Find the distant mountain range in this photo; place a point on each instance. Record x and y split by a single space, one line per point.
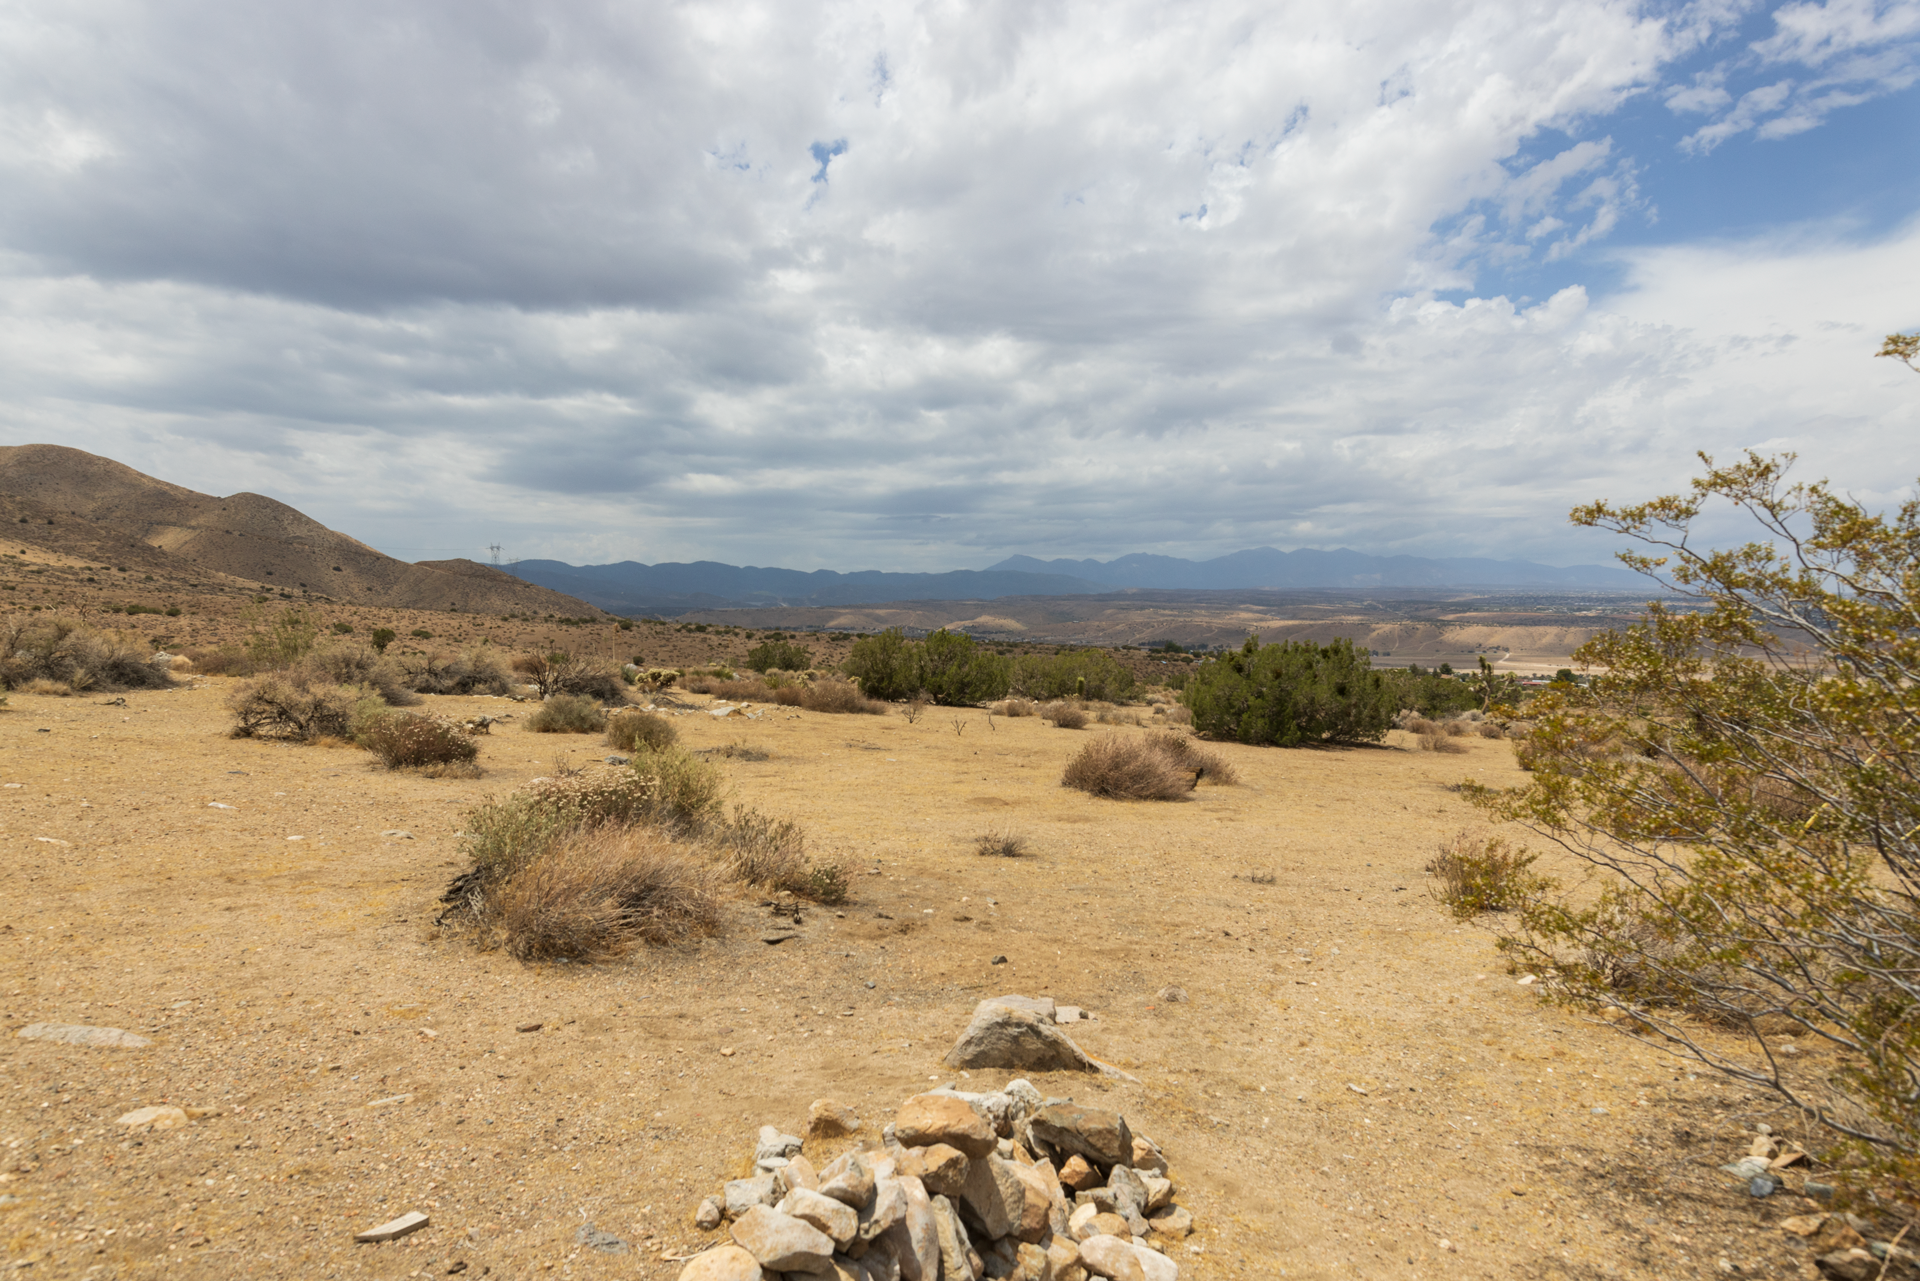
1339 568
633 588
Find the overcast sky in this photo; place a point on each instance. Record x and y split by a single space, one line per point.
918 286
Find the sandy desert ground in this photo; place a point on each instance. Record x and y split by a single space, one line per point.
1356 1087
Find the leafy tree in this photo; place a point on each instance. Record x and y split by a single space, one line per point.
882 665
1745 779
956 671
1428 693
1291 693
779 653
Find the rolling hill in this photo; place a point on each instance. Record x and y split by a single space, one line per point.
81 505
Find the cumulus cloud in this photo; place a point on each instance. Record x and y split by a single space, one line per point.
866 285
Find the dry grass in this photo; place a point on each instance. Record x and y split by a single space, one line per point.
402 740
1438 741
1016 707
1064 716
599 891
631 731
773 853
1186 753
837 696
1000 844
1128 767
1180 716
568 714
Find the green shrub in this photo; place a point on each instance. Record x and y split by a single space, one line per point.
957 672
383 637
1291 693
568 714
283 641
882 664
1473 875
1428 692
631 731
343 629
403 740
421 633
781 654
1080 673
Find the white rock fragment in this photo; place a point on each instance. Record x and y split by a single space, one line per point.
394 1229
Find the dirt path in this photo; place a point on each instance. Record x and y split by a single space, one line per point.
290 983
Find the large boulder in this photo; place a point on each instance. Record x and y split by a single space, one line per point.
1002 1035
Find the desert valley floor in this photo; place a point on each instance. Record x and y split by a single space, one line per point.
1356 1086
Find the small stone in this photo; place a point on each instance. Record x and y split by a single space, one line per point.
1129 1198
1849 1265
398 834
829 1120
1159 1191
1069 1014
779 936
1147 1156
394 1229
1802 1225
772 1143
1108 1224
940 1166
1599 1111
80 1034
1031 1264
955 1265
1064 1255
1078 1175
848 1179
1111 1256
709 1215
1156 1266
996 1193
595 1239
889 1206
915 1240
837 1219
1173 995
1101 1137
156 1118
927 1119
741 1195
998 960
782 1242
1172 1222
723 1263
799 1173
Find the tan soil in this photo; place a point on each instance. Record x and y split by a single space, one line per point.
291 983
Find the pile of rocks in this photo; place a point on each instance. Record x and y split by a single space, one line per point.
958 1187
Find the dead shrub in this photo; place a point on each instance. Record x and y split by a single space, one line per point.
356 665
81 658
1417 724
479 670
568 714
1456 728
773 853
599 891
1180 716
750 690
285 708
1013 708
1000 844
562 673
1127 767
403 740
686 791
1488 729
736 752
1064 716
1436 741
633 730
1207 766
1114 716
840 697
226 660
1476 874
49 688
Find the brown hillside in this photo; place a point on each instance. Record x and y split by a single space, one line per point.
82 506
